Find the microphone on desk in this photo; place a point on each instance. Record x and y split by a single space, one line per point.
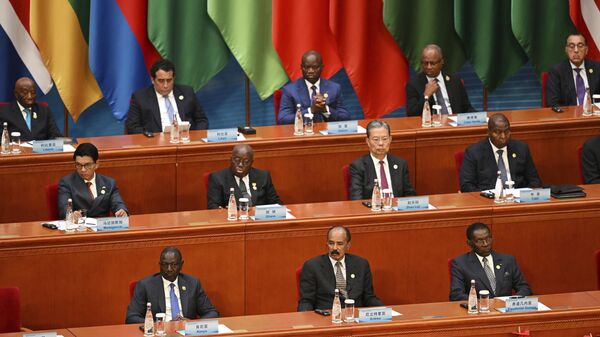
557 109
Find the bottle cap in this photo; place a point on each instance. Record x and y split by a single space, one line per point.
298 105
243 199
231 189
15 134
484 292
70 199
337 290
349 301
472 281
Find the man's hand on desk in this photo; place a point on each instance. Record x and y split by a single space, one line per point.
120 213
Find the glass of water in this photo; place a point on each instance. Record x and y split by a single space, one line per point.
161 317
82 220
484 301
15 142
349 311
388 198
244 205
596 104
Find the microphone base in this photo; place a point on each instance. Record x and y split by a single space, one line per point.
247 130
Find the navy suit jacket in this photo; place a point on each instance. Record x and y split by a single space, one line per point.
363 174
144 113
43 126
220 182
479 169
317 283
560 88
590 160
508 276
415 98
296 92
194 301
74 187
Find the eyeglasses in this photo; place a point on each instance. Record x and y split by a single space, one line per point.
239 161
87 166
580 45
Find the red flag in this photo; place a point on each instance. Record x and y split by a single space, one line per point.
586 17
299 26
373 61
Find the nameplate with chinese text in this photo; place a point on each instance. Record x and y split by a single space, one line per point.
112 224
199 328
46 146
378 314
413 203
269 212
222 135
521 304
535 195
342 127
471 118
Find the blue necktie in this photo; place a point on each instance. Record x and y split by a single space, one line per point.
501 166
170 110
174 302
313 93
580 86
28 117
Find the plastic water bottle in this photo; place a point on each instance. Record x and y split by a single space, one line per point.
499 189
174 130
587 103
148 321
376 197
426 115
231 206
298 122
69 216
472 299
336 309
5 140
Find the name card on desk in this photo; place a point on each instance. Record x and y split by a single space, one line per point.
222 135
40 334
199 328
378 314
535 195
46 146
269 212
113 224
523 304
413 203
471 118
342 127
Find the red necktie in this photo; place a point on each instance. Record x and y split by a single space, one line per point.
384 182
89 186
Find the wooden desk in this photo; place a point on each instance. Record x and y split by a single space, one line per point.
64 332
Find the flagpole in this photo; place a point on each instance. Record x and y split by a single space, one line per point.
66 123
247 129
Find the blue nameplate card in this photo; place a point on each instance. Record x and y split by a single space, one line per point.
199 328
40 334
222 135
45 146
269 212
471 118
535 195
521 304
336 128
112 224
378 314
413 203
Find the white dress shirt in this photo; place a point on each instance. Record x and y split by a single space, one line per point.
93 187
246 180
386 166
583 75
167 290
442 86
162 106
343 265
504 157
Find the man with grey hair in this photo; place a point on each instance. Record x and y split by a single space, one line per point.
390 171
436 86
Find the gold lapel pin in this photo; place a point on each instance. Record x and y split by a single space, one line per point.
254 186
183 288
590 70
34 115
514 155
498 266
447 78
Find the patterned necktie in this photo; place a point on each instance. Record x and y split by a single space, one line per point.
384 182
89 186
580 86
174 302
170 110
313 93
28 117
340 282
440 99
501 166
490 274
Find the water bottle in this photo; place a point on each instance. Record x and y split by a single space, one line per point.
231 206
69 216
298 122
336 309
472 305
148 321
587 103
376 197
499 189
5 140
426 116
174 130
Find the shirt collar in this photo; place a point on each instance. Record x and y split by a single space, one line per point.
166 283
317 84
93 180
21 108
494 148
334 261
439 77
375 160
582 66
170 94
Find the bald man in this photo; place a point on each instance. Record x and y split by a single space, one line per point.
34 121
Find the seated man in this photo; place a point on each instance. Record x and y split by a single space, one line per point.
153 108
248 182
590 160
567 80
34 121
310 91
481 163
496 272
96 193
389 170
323 274
178 295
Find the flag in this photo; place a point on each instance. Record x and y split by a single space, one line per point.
246 28
136 14
585 14
300 26
491 47
373 61
415 24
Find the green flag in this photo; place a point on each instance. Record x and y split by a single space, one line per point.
246 28
182 32
542 27
491 47
415 24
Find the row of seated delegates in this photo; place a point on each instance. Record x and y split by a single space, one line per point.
152 108
96 193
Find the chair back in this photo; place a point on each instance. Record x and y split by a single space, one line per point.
544 84
276 104
458 159
10 307
52 201
346 175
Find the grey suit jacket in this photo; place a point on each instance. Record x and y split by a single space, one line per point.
262 189
108 198
43 126
363 174
459 101
560 88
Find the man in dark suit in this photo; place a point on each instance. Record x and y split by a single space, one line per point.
436 86
567 80
496 272
480 166
247 181
323 97
34 121
323 274
380 165
178 295
96 193
152 108
590 160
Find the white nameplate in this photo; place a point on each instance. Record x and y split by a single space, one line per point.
113 224
40 334
521 304
413 203
471 118
198 328
378 314
45 146
270 212
342 127
222 135
535 195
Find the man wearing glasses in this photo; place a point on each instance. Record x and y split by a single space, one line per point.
96 193
247 181
390 171
567 80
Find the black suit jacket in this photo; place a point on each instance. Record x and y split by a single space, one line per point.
415 88
363 174
508 276
194 301
144 113
74 187
560 88
261 188
43 126
479 169
590 160
317 283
